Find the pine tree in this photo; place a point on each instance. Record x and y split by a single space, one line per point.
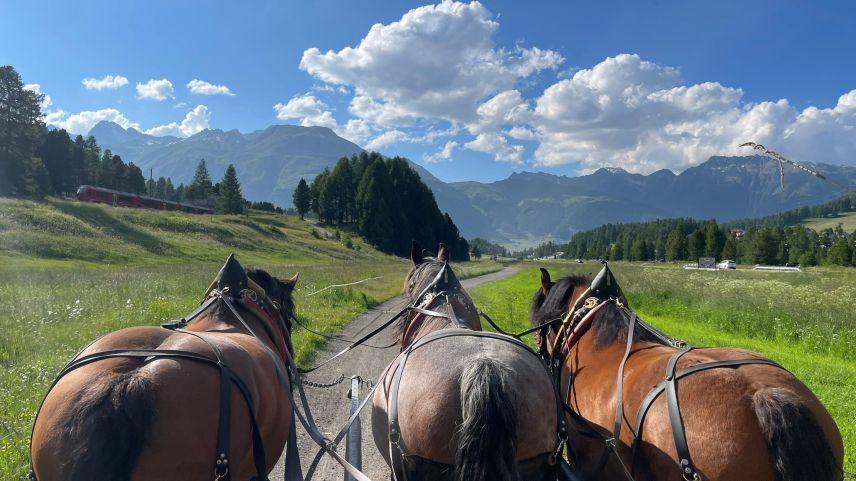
695 245
676 245
729 250
714 240
21 130
230 201
200 187
302 198
136 181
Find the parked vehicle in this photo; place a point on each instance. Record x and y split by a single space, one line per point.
727 264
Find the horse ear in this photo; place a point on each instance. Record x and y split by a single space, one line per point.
416 253
441 253
545 281
294 279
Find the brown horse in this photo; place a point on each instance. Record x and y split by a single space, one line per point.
149 403
742 416
458 403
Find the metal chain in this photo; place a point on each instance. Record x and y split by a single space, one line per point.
307 382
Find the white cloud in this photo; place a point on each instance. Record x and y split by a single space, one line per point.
46 100
194 122
444 154
155 89
497 144
439 65
387 138
307 108
110 82
201 87
82 123
638 115
437 61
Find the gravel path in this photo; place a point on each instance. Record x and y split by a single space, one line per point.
330 406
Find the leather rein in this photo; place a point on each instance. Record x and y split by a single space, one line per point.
575 324
268 312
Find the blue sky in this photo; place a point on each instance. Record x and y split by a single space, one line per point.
472 91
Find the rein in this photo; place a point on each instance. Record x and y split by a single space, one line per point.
577 322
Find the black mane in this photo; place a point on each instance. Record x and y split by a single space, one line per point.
610 324
277 291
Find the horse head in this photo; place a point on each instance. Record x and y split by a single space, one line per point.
436 296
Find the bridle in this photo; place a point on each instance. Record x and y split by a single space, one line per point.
421 305
252 298
603 291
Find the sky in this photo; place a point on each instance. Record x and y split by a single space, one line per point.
472 91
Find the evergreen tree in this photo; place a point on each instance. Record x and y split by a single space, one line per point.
840 253
160 188
21 129
136 181
200 187
729 250
56 153
639 250
476 252
695 245
169 190
616 252
374 218
302 198
230 201
151 188
714 240
676 245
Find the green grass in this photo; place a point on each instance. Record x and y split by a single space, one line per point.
72 272
804 321
847 221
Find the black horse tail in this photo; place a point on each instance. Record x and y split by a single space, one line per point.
487 439
796 444
108 428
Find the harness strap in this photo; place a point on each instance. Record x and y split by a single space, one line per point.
655 392
683 451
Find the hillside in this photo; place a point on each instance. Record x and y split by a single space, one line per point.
526 206
59 231
269 162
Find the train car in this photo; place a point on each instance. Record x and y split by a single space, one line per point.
117 198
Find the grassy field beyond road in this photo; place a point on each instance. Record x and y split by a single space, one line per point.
805 321
72 272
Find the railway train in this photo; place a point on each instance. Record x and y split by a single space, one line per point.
116 198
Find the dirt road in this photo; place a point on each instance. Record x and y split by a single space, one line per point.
330 405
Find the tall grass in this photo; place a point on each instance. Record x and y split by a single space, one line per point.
805 321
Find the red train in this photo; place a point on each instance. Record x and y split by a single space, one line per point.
126 199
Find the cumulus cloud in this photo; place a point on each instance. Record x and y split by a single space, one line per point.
497 144
444 154
82 123
155 89
444 63
387 138
201 87
194 122
438 66
307 108
638 115
109 82
37 88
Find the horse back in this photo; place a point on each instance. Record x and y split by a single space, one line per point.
143 418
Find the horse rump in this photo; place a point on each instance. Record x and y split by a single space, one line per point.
798 448
487 438
108 428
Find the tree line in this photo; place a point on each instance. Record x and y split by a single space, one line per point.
384 200
689 239
36 161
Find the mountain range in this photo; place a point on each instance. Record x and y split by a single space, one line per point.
526 206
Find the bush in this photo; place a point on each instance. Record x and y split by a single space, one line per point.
347 241
314 232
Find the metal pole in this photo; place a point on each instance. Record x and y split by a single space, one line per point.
353 449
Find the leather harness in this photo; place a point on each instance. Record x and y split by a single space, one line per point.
397 450
254 299
605 290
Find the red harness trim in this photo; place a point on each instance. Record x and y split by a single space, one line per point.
580 328
280 337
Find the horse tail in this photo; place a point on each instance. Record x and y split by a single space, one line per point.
487 438
797 445
108 428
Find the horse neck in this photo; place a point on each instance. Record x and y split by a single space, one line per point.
446 305
268 332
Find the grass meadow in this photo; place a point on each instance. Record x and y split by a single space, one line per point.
72 272
805 321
